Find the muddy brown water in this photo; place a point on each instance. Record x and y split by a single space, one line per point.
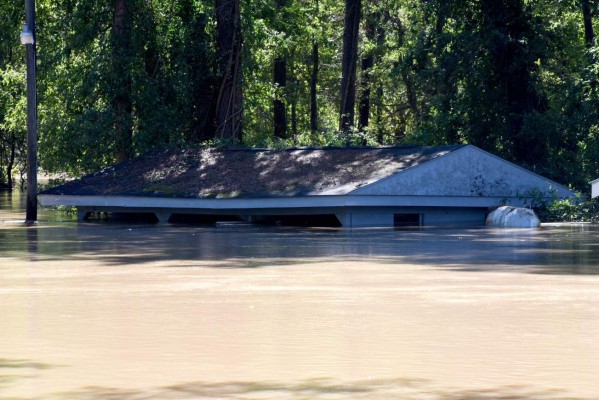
141 311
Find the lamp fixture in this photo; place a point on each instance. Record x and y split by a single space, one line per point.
26 35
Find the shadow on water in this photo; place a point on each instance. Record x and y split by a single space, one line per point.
315 389
561 249
13 370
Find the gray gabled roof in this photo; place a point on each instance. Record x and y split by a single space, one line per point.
222 173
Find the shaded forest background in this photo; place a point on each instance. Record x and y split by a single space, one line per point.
115 79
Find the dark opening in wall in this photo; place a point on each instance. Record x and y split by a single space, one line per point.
407 220
147 218
319 220
201 219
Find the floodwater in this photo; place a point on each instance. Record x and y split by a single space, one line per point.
139 311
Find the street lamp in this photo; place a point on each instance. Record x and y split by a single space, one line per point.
28 40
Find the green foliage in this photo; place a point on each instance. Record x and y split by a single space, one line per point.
567 210
12 100
266 34
170 67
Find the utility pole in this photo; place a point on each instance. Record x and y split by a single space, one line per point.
28 39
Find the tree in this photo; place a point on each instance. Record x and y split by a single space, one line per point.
121 74
228 103
280 76
314 76
353 10
507 32
314 88
175 90
375 36
587 16
12 94
12 115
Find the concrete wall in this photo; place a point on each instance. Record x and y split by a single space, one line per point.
465 172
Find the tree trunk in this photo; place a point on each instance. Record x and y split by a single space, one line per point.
445 89
228 103
378 114
293 95
313 88
280 76
367 64
513 72
407 80
348 67
8 152
589 36
11 162
280 112
121 43
587 16
410 93
314 81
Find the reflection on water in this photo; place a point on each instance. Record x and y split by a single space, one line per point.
12 210
556 249
130 311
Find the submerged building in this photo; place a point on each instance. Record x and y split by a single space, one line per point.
595 188
379 186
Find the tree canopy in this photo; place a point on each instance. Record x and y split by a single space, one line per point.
116 79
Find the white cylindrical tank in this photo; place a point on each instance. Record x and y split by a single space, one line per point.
513 217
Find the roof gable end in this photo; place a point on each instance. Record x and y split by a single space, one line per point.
468 171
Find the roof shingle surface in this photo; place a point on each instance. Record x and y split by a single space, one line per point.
222 173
